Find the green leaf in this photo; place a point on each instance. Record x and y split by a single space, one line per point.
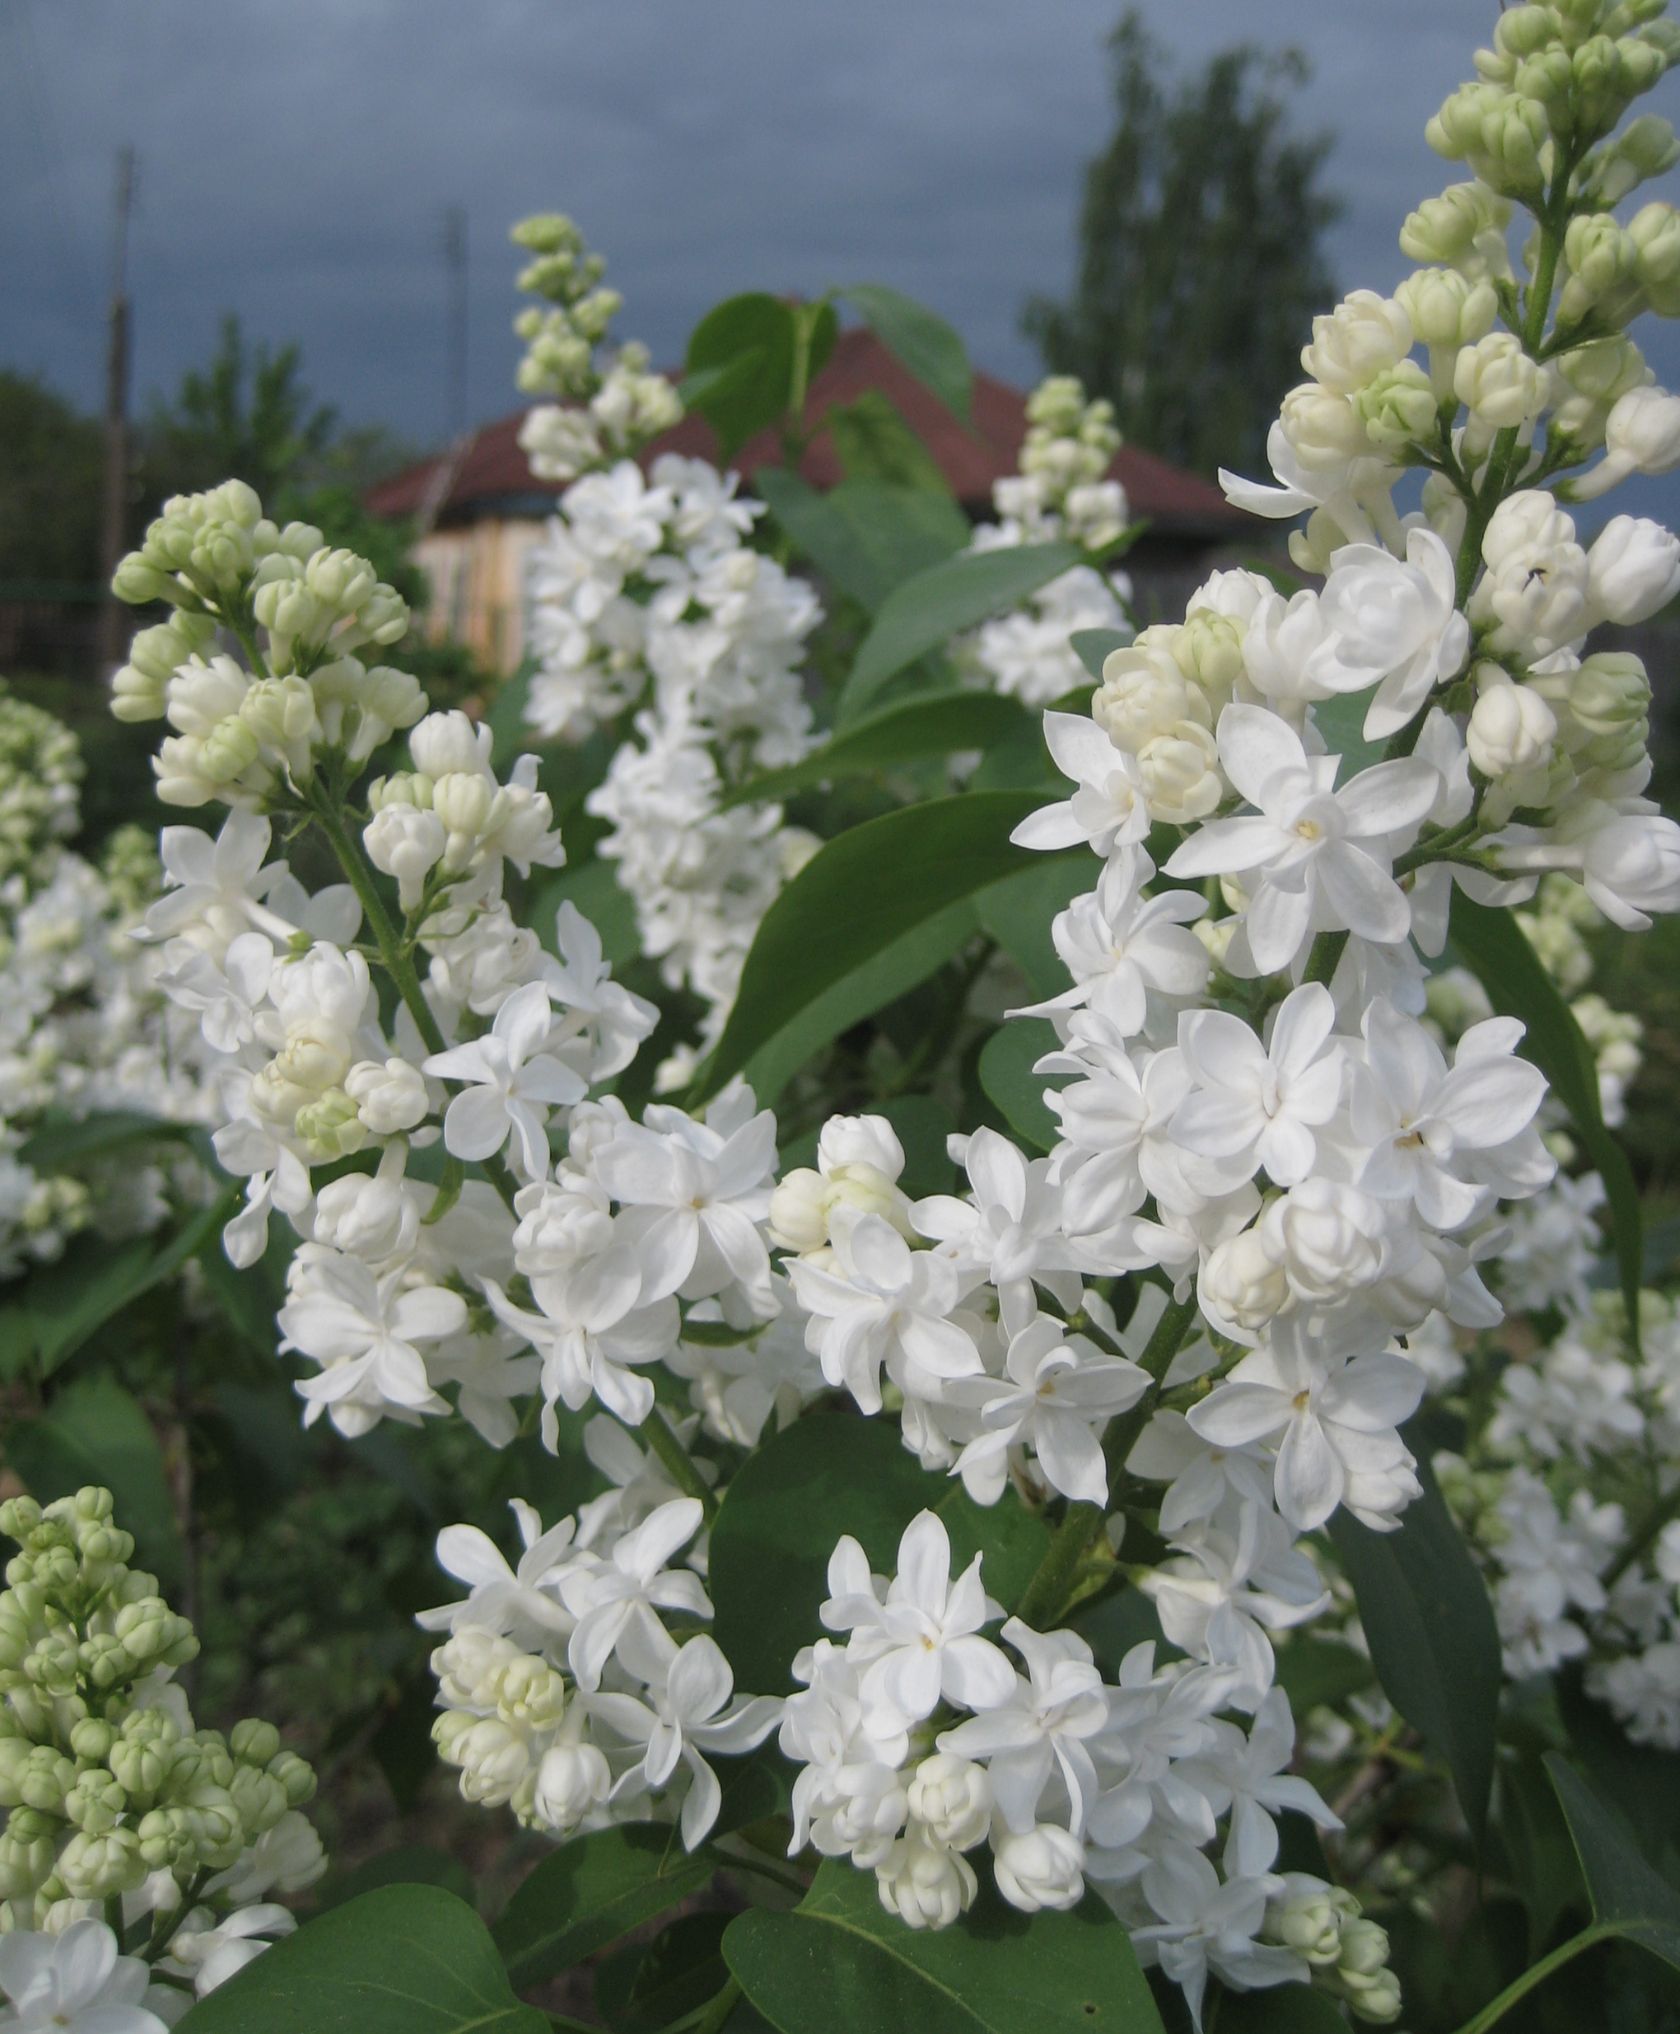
920 340
1093 647
827 1475
1432 1635
505 717
923 1126
893 972
410 1864
873 442
1280 2009
593 887
1492 945
95 1431
402 1960
753 336
840 1961
59 1144
592 1890
878 883
1628 1898
910 732
1341 721
924 613
1006 1073
1314 1671
644 1987
1019 912
865 535
66 1302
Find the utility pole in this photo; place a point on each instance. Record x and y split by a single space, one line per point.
455 313
114 519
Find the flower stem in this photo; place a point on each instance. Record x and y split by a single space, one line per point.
677 1461
1519 1988
1047 1595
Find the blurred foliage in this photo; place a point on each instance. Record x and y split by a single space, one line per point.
49 487
1200 253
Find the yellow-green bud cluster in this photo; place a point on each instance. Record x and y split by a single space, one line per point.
560 341
1348 1954
104 1778
240 736
1070 442
40 781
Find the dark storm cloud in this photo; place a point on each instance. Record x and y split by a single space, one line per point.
296 162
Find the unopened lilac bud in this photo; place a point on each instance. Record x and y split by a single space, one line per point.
927 1885
1039 1867
1511 730
94 1867
952 1799
390 1096
1498 383
572 1779
445 742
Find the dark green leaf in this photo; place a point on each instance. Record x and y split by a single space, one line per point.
56 1146
592 1890
753 336
907 733
1006 1073
827 1475
924 613
864 535
250 1298
879 981
1432 1635
56 1310
412 1864
923 1126
1628 1897
402 1960
1094 646
648 1985
879 883
1492 945
593 887
1019 912
505 717
1312 1671
1341 721
839 1961
1280 2009
94 1431
873 442
920 340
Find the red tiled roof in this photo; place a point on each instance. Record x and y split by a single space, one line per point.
491 468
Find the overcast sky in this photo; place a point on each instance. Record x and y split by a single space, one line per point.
296 162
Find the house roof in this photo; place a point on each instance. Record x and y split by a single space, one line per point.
487 473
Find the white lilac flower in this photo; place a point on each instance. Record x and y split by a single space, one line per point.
689 1715
1316 858
1335 1422
511 1075
76 1980
919 1642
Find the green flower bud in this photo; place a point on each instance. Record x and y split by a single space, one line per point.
93 1867
96 1802
296 1775
330 1126
259 1800
253 1741
92 1740
1399 407
230 748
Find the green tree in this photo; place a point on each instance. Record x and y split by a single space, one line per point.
1201 258
49 487
247 415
